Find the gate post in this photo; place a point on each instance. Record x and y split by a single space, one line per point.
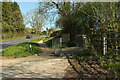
104 44
60 44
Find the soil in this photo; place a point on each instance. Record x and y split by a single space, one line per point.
35 67
85 70
43 65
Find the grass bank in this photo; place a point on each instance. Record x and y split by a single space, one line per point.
37 40
21 50
48 41
21 37
14 38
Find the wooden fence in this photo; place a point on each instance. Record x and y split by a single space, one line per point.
111 44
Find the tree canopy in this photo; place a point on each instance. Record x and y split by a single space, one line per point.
91 19
12 20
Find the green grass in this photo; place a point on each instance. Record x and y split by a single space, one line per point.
23 37
48 41
85 55
21 50
14 38
115 68
38 35
37 40
105 62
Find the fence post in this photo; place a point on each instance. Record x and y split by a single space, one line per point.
60 45
104 44
30 47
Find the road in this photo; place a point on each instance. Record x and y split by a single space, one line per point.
5 44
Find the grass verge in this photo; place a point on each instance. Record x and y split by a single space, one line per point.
21 50
48 41
37 40
22 37
14 38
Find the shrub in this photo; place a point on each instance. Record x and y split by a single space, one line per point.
67 44
56 33
116 68
85 55
86 52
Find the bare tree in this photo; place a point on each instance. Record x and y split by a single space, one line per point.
35 20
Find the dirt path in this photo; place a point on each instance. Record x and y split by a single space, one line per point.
45 65
36 68
42 66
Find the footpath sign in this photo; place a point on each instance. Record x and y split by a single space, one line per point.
65 37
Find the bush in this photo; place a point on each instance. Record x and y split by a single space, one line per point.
85 55
67 44
86 52
114 69
56 33
21 50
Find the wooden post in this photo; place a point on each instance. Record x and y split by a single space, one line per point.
104 45
30 48
60 46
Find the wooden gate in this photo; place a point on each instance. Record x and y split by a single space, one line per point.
111 44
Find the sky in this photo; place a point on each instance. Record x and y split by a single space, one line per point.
28 6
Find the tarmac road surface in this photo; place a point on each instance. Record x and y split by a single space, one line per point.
5 44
